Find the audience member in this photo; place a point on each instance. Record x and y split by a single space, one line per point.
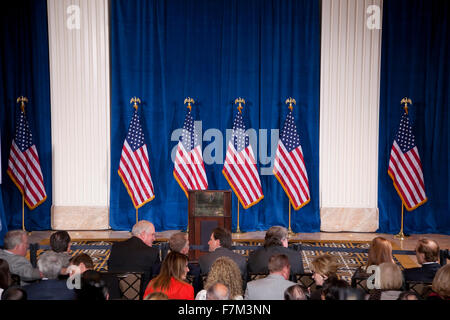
14 293
220 246
60 243
408 295
332 289
83 262
427 253
273 286
441 284
391 282
93 288
224 270
179 242
16 247
5 276
218 291
324 269
50 287
135 254
172 278
295 292
157 296
380 251
275 242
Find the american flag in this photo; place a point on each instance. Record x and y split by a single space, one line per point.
189 169
134 168
405 167
24 167
289 167
240 166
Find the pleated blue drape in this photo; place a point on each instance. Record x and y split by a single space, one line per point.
213 51
415 64
24 69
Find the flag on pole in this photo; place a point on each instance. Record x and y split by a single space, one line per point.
24 167
240 166
405 167
189 169
289 167
134 169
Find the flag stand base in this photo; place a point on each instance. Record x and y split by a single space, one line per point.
401 235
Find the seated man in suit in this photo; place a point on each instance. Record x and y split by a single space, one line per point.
50 287
275 242
219 245
16 247
427 253
274 285
136 254
179 242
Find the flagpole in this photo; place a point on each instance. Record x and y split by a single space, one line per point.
401 235
23 212
290 232
137 215
238 230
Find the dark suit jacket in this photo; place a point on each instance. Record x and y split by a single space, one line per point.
133 255
424 273
259 259
208 259
49 290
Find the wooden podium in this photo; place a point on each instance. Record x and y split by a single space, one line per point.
208 209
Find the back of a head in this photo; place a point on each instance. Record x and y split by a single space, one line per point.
441 282
278 262
408 295
332 288
391 276
224 236
173 266
92 287
429 248
5 274
84 259
326 265
218 291
380 251
295 292
59 241
50 264
13 238
157 295
14 293
274 236
178 241
140 227
224 270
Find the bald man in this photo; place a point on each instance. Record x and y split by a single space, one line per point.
427 253
135 254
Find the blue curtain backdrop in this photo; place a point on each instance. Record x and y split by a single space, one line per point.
213 51
415 63
24 69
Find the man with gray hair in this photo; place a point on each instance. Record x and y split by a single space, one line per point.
136 254
218 291
50 287
16 247
275 242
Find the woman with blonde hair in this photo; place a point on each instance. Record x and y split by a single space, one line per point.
391 282
324 269
441 284
172 278
224 270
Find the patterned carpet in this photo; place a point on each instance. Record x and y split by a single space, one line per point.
349 261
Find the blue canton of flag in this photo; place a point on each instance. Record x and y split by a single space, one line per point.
240 139
289 135
135 135
404 137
